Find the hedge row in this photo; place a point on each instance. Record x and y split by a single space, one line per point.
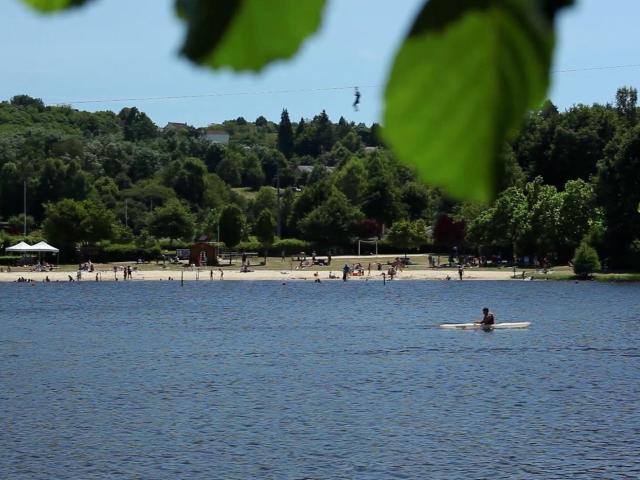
8 259
290 246
251 245
121 252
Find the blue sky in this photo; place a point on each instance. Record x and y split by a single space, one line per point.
116 49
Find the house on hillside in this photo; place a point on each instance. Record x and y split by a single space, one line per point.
307 169
176 127
303 172
215 135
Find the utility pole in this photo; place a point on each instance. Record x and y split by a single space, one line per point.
279 230
24 184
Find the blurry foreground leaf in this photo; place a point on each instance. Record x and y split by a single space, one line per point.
246 34
462 81
54 5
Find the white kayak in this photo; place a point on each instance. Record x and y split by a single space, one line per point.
478 326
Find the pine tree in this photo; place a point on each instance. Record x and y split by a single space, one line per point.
301 127
285 135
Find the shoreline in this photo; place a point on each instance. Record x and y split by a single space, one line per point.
412 273
257 275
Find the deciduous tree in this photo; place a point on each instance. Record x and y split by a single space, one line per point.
265 230
172 221
333 222
232 225
405 234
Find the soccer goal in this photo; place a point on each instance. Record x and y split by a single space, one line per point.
367 248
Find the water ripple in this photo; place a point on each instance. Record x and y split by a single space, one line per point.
258 380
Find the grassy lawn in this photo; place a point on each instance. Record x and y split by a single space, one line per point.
566 273
276 263
617 277
257 263
563 272
246 192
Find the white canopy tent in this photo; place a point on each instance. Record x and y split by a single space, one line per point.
39 248
21 247
43 247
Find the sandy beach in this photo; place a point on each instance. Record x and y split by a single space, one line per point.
234 274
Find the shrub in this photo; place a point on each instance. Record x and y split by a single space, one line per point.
291 246
632 258
585 260
8 259
118 252
165 244
251 245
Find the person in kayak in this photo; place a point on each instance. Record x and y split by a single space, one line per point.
487 317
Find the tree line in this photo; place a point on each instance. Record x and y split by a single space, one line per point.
99 179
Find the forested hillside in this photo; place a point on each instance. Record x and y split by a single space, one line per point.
103 179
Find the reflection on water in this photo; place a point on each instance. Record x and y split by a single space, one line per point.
332 380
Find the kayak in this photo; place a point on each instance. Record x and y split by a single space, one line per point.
477 326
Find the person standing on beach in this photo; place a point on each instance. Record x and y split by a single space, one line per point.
460 271
221 274
211 274
345 272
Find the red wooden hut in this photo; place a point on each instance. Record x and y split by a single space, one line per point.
203 254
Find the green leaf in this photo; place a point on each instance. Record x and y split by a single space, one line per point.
246 34
54 5
462 81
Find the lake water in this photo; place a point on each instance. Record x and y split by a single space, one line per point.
318 381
